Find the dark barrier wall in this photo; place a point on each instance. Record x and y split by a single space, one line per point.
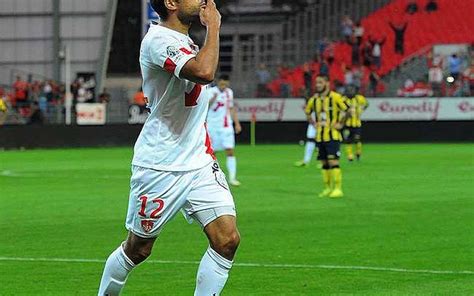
12 137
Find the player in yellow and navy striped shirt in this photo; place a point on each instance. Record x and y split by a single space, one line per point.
330 114
352 131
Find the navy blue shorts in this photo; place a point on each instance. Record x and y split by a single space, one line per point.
352 134
329 150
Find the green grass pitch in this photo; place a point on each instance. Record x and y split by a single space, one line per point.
408 212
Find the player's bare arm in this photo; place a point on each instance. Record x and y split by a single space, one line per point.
202 69
235 118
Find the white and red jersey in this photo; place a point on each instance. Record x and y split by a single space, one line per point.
174 137
219 115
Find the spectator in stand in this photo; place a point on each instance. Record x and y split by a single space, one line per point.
357 78
104 97
399 31
308 80
367 54
435 78
347 27
359 33
373 82
348 76
48 91
20 90
42 100
412 7
455 64
324 68
377 51
285 87
35 90
431 6
263 78
355 51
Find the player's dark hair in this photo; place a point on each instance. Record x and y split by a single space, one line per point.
224 77
160 8
324 76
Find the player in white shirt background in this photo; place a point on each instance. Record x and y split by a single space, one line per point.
174 167
221 118
309 147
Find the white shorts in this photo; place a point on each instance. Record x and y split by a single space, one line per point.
311 132
222 138
156 197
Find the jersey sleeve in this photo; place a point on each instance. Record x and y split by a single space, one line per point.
309 107
170 54
341 103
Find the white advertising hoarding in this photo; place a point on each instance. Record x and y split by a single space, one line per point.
380 109
90 113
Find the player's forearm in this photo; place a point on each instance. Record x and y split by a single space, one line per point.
234 115
310 119
208 58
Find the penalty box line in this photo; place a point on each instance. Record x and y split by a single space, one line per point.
261 265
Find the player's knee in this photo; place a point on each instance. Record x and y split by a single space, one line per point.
138 252
229 152
228 244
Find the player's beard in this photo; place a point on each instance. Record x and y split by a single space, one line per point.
323 90
188 19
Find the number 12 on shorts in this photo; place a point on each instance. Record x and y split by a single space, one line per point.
155 214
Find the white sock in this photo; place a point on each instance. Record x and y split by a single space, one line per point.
308 151
232 167
212 274
116 270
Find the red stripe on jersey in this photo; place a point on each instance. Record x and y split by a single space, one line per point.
208 145
169 66
185 50
190 99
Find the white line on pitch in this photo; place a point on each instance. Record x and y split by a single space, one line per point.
265 265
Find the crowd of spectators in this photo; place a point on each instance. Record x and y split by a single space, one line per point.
363 70
31 101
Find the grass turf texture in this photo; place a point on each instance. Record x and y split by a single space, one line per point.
406 206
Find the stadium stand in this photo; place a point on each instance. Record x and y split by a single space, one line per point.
449 24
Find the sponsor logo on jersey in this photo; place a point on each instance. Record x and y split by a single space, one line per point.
172 51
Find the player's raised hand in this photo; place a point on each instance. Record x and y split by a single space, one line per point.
209 14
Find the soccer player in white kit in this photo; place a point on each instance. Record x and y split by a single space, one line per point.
309 147
221 118
174 167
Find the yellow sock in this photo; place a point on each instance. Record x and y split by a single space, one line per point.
359 148
350 154
327 178
337 177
